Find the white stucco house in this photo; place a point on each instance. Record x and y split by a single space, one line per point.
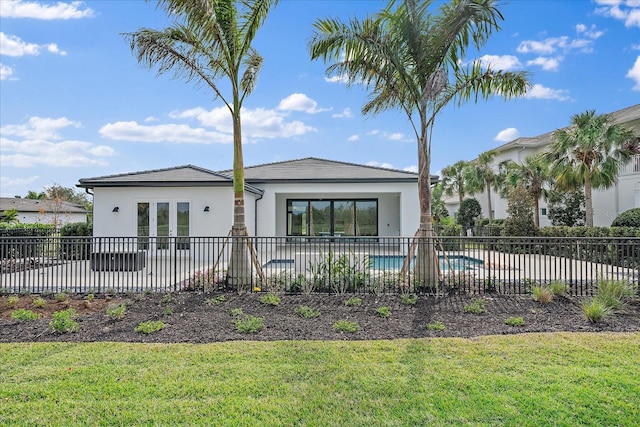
31 211
607 204
296 198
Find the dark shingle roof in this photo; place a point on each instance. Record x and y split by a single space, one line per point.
312 169
187 175
32 205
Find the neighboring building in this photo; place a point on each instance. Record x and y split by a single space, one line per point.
607 204
32 211
296 198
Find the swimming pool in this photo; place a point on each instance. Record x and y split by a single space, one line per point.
394 262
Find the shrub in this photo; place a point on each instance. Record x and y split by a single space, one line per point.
24 315
409 299
557 288
117 311
12 301
62 297
77 229
615 294
436 326
307 312
39 302
346 326
595 310
469 210
270 299
541 294
566 208
353 302
383 311
514 321
149 326
216 300
630 218
249 324
63 321
475 307
236 312
520 220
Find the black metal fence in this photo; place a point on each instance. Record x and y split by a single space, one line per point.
37 264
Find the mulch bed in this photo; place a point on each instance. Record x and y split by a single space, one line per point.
189 318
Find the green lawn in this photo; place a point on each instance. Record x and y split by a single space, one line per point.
519 380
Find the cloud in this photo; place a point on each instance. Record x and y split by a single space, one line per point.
538 91
5 72
353 138
553 44
634 74
391 136
346 113
412 168
35 10
39 143
14 46
504 62
376 164
506 135
344 79
547 64
216 127
627 11
132 131
590 32
300 102
6 182
39 128
256 123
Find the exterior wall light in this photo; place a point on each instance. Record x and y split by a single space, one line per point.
206 209
115 209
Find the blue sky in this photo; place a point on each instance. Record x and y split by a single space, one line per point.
74 103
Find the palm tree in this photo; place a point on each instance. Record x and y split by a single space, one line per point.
411 60
481 176
10 216
534 174
590 153
453 180
213 41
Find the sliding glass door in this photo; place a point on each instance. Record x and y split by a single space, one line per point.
332 217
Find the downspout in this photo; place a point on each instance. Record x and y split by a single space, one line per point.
255 213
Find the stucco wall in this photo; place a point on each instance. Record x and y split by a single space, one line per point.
397 204
47 218
216 222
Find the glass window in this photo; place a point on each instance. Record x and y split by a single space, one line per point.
182 239
162 224
297 215
143 226
320 221
366 218
332 217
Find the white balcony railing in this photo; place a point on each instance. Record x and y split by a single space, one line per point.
631 168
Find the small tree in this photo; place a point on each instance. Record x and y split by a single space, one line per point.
470 209
520 220
630 218
566 208
438 208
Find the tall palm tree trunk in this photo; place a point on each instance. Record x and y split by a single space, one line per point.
426 273
489 207
588 202
239 274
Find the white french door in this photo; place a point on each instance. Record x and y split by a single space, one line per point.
168 224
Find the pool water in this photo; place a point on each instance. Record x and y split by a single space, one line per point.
394 262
